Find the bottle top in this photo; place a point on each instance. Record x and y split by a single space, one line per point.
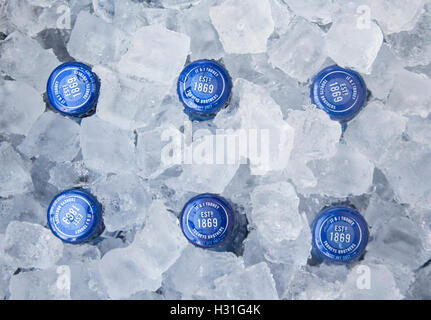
204 87
75 216
340 234
340 92
207 220
73 89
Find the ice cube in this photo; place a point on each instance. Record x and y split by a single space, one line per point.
105 147
23 59
243 27
49 284
352 45
196 23
14 177
370 281
283 231
420 288
52 136
316 137
86 282
300 51
410 94
414 46
179 4
319 11
419 129
125 200
156 54
95 41
194 272
386 68
104 9
30 245
348 172
396 16
282 16
153 251
127 103
23 207
254 283
20 106
405 166
270 138
374 129
68 174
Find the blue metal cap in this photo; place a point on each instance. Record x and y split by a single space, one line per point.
204 87
75 216
73 89
207 220
340 234
340 92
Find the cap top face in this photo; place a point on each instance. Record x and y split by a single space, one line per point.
207 220
340 234
340 92
204 87
73 89
74 216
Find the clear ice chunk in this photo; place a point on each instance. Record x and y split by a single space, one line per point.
52 136
30 245
243 27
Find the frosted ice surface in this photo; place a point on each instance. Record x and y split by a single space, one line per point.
419 129
179 4
243 27
104 9
48 284
118 100
316 137
300 52
204 40
281 15
386 68
155 54
414 46
319 11
410 94
20 106
92 40
86 282
105 147
348 172
375 129
23 59
396 16
69 174
31 245
14 177
371 281
276 136
52 136
42 3
406 169
125 200
352 46
306 285
157 150
193 274
283 231
22 207
153 251
255 282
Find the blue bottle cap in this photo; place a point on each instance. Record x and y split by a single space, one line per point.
207 220
75 216
73 89
340 234
204 87
340 92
